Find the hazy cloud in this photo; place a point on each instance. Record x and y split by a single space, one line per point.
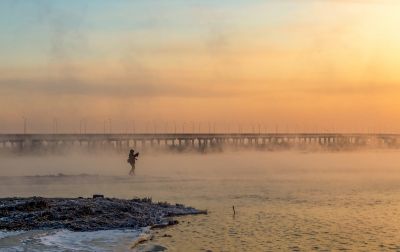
110 89
352 89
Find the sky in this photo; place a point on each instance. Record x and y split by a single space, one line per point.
146 66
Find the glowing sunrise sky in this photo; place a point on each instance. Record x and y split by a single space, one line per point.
297 65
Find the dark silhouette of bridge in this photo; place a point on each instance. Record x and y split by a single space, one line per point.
181 141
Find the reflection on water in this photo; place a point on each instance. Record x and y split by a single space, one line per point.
283 201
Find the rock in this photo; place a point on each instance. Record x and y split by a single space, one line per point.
141 239
87 214
165 223
154 248
98 196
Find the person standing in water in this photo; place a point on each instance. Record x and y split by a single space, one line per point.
132 160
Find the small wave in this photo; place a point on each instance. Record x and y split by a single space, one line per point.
7 234
9 241
106 240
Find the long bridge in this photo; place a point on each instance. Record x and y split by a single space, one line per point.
182 141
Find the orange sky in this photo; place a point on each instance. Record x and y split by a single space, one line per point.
277 65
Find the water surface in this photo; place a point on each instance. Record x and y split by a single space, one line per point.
283 200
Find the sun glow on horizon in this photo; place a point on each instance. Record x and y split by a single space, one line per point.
309 64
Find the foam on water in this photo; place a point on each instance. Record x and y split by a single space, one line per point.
65 240
11 241
90 241
5 234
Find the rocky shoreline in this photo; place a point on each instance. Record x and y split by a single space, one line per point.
88 214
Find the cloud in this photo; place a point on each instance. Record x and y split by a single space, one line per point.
125 89
352 89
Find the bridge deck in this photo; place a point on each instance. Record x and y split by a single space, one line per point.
163 136
20 142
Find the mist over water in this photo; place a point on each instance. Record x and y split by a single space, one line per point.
283 200
245 164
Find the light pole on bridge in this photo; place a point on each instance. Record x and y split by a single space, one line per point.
174 127
155 127
24 124
166 127
55 126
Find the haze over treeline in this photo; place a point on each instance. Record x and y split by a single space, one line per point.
147 66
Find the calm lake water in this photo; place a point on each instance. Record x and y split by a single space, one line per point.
288 201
